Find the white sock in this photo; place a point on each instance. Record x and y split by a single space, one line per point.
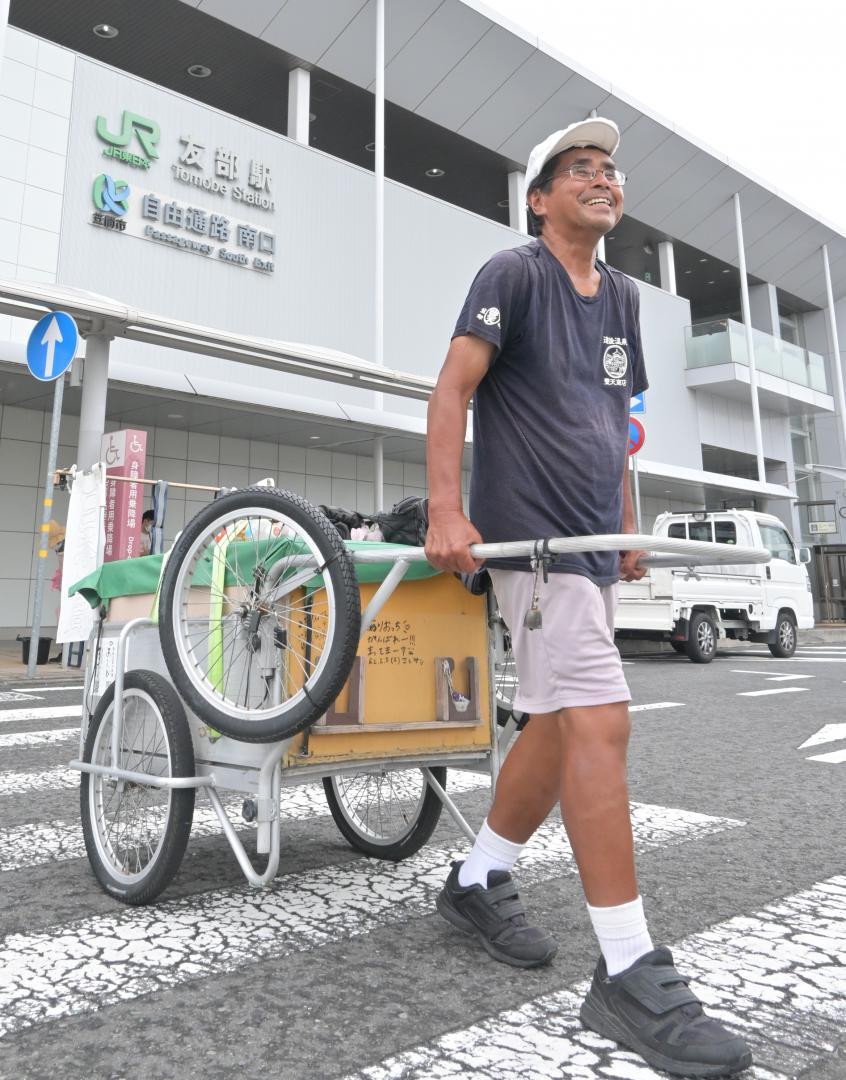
622 934
490 852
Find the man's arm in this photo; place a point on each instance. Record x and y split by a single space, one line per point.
450 534
629 571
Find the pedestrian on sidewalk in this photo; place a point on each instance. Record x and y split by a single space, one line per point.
548 347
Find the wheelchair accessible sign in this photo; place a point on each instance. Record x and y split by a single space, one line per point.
52 346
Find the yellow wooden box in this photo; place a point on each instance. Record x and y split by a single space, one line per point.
397 701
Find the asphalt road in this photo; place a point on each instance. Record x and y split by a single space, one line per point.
342 969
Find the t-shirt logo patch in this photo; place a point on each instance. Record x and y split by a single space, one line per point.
615 360
489 316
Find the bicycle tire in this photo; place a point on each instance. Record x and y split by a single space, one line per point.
308 531
371 837
112 850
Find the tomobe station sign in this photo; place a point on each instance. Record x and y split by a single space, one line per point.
235 229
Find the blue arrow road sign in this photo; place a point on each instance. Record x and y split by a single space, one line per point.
638 404
52 346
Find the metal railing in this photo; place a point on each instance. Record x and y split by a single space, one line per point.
724 342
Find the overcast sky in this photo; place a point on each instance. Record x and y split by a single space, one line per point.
760 81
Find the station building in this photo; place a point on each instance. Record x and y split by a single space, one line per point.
218 166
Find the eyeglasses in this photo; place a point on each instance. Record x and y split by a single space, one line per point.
586 175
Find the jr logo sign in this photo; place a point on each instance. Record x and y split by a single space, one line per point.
145 131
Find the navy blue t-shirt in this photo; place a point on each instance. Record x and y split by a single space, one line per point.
550 417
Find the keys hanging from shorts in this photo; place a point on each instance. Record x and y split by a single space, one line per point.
533 619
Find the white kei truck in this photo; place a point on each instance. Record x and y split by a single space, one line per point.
694 609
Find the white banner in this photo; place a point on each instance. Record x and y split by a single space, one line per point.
83 551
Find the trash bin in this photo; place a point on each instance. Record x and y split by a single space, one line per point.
44 644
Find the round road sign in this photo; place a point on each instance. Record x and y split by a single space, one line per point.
636 435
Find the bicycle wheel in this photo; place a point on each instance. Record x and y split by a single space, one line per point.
260 614
135 834
385 813
504 673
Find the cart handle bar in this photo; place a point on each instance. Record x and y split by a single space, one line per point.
674 552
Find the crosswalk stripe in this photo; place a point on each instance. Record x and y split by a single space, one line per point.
40 712
766 658
35 843
771 678
836 757
38 738
656 705
775 690
47 689
25 783
138 948
775 976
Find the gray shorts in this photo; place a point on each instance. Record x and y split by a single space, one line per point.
572 659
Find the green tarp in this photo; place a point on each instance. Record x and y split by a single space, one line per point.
137 577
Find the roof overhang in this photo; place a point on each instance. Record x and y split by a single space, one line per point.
465 67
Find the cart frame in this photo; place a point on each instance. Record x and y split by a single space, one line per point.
271 779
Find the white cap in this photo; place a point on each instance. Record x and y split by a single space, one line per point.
595 131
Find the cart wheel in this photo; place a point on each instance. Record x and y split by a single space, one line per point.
505 675
136 834
387 814
260 614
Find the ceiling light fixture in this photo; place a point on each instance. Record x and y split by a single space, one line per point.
703 260
648 249
371 146
503 203
174 416
710 283
312 117
688 271
314 436
199 71
435 172
727 271
106 30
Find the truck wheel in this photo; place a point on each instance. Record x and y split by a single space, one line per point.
784 645
702 638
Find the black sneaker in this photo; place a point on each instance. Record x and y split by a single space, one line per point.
650 1009
498 919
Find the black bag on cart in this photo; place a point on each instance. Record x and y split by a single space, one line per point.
407 521
344 520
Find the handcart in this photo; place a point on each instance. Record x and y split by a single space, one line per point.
263 652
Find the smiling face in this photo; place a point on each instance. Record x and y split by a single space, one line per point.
570 205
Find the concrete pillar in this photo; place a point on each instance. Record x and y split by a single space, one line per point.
836 358
792 512
763 309
667 266
4 22
517 217
92 410
299 84
750 343
378 474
